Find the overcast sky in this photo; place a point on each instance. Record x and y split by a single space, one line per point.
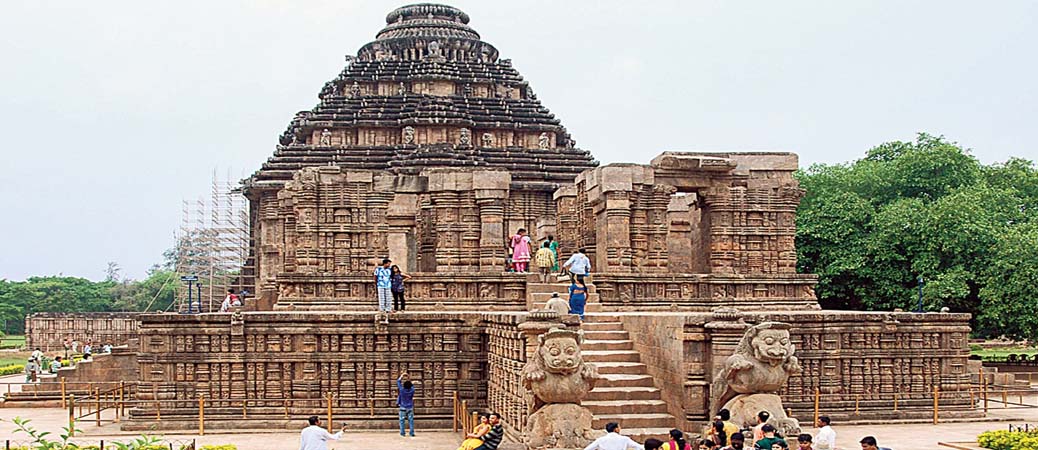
113 112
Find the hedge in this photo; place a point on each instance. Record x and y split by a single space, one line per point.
1009 440
12 369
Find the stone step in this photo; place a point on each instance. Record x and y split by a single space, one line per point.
624 380
602 393
600 317
543 297
588 308
608 407
607 345
597 356
634 421
641 434
607 335
560 288
629 368
601 326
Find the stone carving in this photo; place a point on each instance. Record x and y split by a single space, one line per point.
467 90
487 140
355 90
434 50
529 93
465 137
326 137
402 89
559 379
760 367
543 142
408 135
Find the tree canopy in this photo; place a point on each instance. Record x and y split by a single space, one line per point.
928 208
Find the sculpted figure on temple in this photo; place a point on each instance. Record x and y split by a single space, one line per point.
529 93
487 140
402 89
467 91
408 135
355 90
760 367
543 142
559 379
434 50
464 137
326 137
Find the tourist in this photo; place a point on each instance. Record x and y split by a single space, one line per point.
553 245
762 418
653 444
230 301
724 415
804 442
717 433
545 260
384 285
769 437
314 437
736 441
707 444
869 443
55 365
68 345
578 265
779 445
613 440
405 401
475 438
107 348
826 437
520 245
677 441
37 355
497 432
577 297
396 279
30 371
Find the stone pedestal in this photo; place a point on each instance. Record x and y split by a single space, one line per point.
559 426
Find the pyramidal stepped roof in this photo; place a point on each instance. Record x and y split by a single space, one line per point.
428 92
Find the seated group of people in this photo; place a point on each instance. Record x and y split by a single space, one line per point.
486 435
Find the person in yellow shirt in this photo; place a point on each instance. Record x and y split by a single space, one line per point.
726 416
545 260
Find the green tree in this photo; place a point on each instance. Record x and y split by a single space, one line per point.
1009 286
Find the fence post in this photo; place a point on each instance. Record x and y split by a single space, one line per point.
936 396
973 403
97 404
71 415
818 395
201 414
1005 400
984 391
244 414
285 403
122 398
63 392
329 395
371 405
857 400
895 400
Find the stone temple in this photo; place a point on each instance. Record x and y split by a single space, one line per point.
431 149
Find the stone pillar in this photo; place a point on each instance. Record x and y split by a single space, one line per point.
492 188
402 214
680 255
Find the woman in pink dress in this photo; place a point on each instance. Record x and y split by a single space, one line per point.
520 250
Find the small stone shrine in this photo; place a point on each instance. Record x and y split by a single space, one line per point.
432 150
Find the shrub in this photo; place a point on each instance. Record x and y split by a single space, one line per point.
220 447
1008 440
12 369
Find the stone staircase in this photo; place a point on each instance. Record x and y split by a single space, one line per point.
626 393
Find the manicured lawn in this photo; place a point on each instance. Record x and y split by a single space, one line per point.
12 341
7 359
1003 352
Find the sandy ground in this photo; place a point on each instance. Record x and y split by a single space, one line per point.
896 436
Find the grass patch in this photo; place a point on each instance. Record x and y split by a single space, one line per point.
12 341
1003 352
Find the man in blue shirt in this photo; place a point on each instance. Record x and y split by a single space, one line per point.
405 401
384 284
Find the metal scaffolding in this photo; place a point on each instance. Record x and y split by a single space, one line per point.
212 244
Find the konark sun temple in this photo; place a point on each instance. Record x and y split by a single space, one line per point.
430 149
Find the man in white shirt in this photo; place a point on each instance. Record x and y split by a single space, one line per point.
613 440
826 438
314 437
578 265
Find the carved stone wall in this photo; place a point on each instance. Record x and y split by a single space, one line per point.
703 292
47 331
285 363
425 291
506 358
724 214
847 355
